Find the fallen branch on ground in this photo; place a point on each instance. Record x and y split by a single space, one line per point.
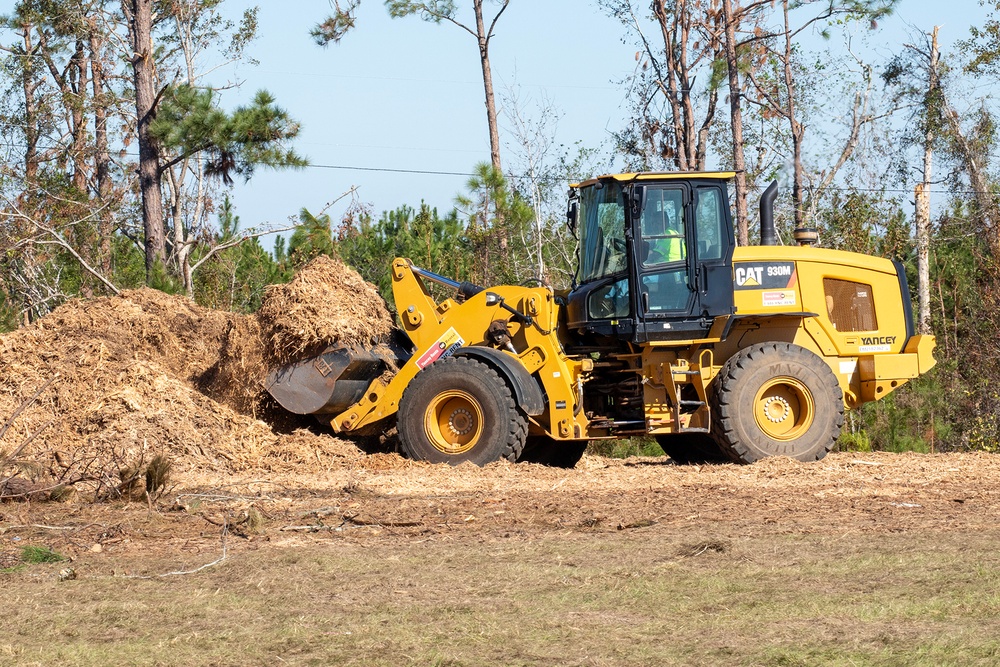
354 520
44 527
310 529
178 573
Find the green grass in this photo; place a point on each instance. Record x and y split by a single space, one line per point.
33 555
645 597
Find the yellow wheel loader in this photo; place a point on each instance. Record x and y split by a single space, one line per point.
719 352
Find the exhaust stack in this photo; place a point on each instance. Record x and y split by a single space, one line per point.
767 233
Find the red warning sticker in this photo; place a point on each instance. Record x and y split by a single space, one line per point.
444 346
784 298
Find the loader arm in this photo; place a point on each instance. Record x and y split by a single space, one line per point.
511 329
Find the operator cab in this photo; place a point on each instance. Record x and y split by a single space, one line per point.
654 257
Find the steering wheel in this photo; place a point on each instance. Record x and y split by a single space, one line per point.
605 310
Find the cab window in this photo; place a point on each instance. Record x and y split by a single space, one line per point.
710 223
602 231
662 227
609 302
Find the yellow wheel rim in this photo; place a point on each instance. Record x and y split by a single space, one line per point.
784 408
454 422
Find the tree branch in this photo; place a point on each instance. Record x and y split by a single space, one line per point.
61 241
445 17
24 405
493 23
235 242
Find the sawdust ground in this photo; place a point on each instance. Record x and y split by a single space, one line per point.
132 376
385 499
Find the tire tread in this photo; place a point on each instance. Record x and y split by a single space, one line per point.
515 419
725 413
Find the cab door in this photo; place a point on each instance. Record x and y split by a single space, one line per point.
715 241
682 240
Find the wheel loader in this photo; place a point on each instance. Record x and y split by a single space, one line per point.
719 352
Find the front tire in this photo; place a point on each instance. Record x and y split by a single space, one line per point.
776 399
459 410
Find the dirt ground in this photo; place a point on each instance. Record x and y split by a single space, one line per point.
383 498
384 521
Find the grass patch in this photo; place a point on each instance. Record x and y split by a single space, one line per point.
33 555
625 447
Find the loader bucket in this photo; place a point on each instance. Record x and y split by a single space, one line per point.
327 384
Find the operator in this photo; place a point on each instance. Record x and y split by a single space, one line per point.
664 235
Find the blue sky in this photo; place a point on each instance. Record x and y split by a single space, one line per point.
407 95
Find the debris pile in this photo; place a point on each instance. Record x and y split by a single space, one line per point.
325 303
124 379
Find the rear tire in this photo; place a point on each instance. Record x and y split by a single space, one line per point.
692 448
776 399
458 410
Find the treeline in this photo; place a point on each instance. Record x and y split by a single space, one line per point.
119 150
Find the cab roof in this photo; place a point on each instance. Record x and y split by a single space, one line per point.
658 176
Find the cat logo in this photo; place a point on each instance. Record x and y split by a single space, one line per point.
764 275
748 276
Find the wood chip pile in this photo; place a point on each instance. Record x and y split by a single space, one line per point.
326 303
126 378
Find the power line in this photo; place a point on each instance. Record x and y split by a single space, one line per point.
329 75
910 191
431 172
388 170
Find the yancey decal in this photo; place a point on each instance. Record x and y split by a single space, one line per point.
786 298
764 275
876 344
444 346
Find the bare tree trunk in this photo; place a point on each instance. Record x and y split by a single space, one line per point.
139 14
794 125
484 57
703 131
736 116
979 181
923 200
72 83
445 11
184 226
102 157
78 83
31 121
689 33
670 21
175 179
32 133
